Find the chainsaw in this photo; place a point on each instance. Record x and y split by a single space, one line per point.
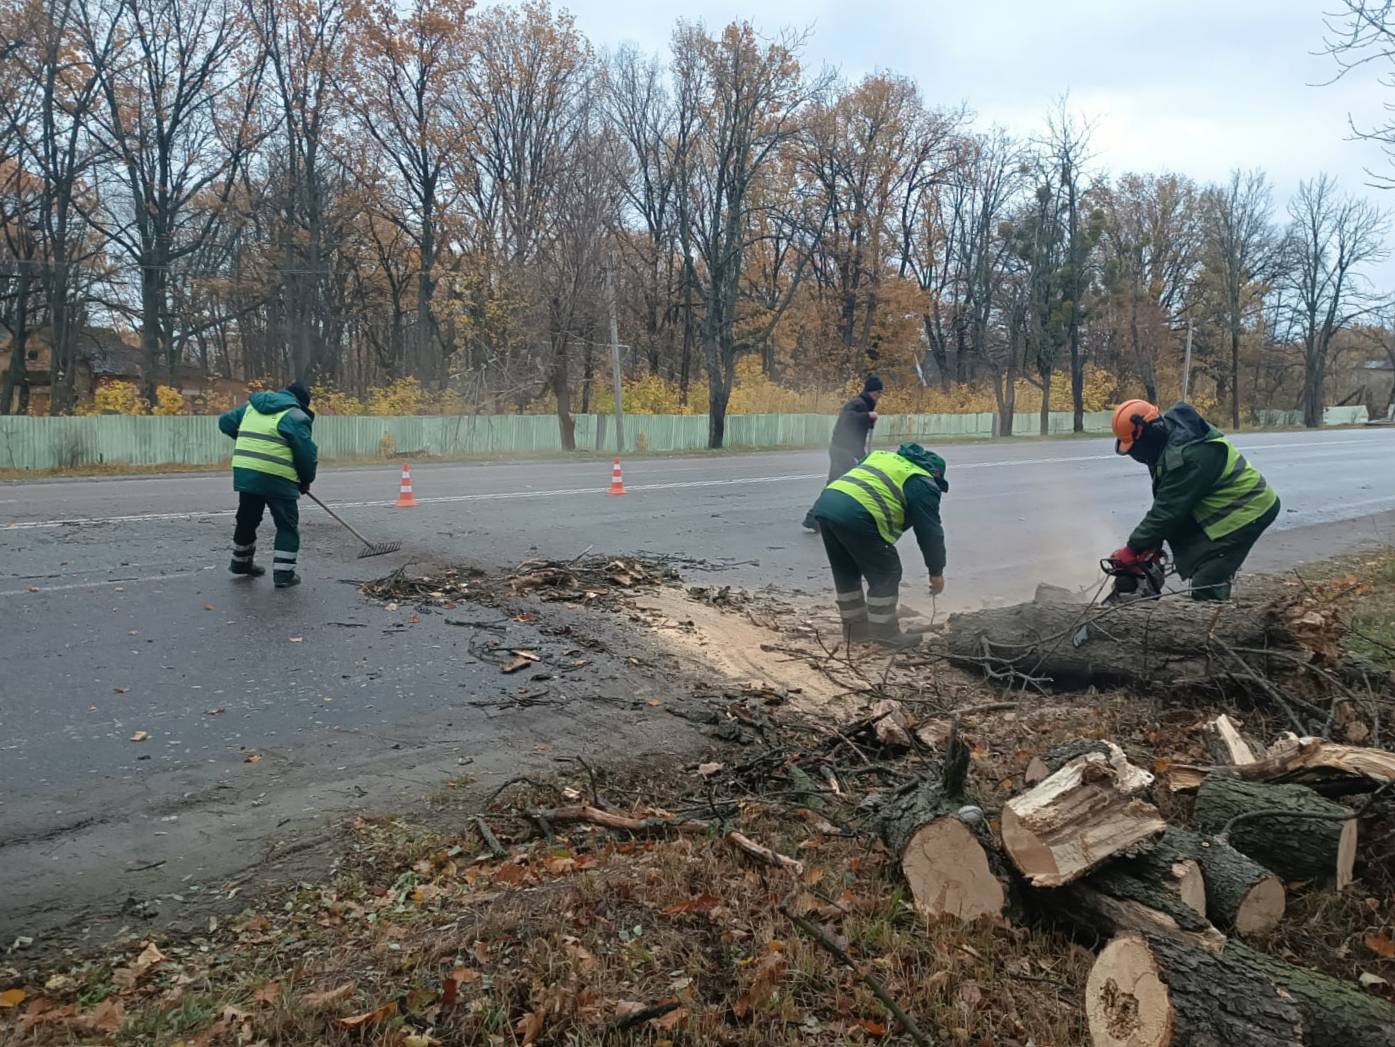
1136 581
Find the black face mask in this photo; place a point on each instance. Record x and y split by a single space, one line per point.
1148 448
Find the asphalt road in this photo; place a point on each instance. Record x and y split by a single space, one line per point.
118 618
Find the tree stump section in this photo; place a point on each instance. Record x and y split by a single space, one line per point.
950 870
1164 876
1294 831
1241 895
1078 818
1150 991
1151 644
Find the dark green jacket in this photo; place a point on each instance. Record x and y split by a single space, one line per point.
922 516
1193 467
295 426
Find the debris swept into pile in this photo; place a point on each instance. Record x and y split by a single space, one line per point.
599 581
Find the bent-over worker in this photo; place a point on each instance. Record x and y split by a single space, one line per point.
1210 505
273 464
850 434
861 515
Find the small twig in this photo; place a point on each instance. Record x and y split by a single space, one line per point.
596 800
543 826
825 941
490 840
644 1014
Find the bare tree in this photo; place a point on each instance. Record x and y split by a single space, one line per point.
1361 34
1241 249
1331 240
749 101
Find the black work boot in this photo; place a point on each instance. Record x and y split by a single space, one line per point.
855 632
286 579
810 523
247 569
897 640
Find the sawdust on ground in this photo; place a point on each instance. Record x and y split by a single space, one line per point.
746 653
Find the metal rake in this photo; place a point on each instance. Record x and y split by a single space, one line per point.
369 548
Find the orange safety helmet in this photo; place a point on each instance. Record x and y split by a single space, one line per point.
1129 419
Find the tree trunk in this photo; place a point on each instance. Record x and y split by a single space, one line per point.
1295 832
1149 644
1045 403
1147 990
1107 910
1235 375
17 377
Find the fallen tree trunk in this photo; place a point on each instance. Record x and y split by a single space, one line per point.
1078 818
1148 990
1151 644
1288 829
950 869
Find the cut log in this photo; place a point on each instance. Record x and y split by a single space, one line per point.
1152 644
1227 745
1169 868
1241 895
1105 913
1078 818
1147 990
1293 832
950 868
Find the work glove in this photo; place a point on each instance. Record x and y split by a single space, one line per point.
1130 557
937 584
304 487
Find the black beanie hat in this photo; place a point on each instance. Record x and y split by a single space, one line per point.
873 384
301 392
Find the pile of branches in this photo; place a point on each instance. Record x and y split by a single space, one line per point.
592 580
444 588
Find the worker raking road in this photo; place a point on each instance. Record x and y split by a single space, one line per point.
273 464
861 514
1210 505
850 435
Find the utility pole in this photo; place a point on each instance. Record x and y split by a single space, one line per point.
615 359
1187 362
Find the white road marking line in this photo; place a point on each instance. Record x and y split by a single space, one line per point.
579 491
36 590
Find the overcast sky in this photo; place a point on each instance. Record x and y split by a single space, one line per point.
1193 86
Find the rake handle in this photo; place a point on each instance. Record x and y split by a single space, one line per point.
348 526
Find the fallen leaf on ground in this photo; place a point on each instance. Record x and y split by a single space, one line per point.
372 1017
652 701
873 1028
698 903
414 620
317 1000
12 997
672 1018
120 690
1381 945
529 1026
267 993
252 758
515 665
208 607
1370 981
705 769
140 736
107 1016
216 712
297 639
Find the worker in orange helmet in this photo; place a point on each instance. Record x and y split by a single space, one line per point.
1210 505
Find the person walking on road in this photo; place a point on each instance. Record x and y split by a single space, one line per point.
850 435
273 464
1209 504
861 514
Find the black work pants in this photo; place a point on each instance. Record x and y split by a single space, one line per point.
855 552
285 513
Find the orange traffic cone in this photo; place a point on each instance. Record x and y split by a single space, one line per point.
405 498
617 481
